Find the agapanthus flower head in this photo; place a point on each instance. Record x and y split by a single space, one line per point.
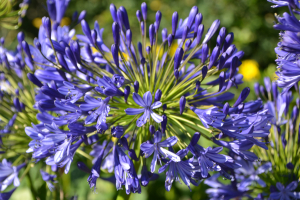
132 101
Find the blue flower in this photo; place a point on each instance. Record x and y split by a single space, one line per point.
208 158
124 172
248 175
109 87
100 113
49 179
9 174
186 170
147 110
221 191
286 192
158 150
95 173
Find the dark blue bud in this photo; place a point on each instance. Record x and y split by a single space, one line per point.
140 49
233 66
199 34
197 85
182 103
230 50
256 89
94 37
244 94
88 51
26 49
125 17
152 129
17 104
164 34
20 37
145 179
225 109
164 107
4 60
143 28
228 41
178 58
148 49
187 44
221 36
222 60
198 21
144 10
126 93
204 72
115 54
262 90
158 95
124 143
170 40
37 44
132 155
17 92
214 56
164 123
47 26
139 15
113 11
298 102
204 53
22 106
174 23
128 37
176 74
82 15
74 16
283 140
184 34
211 31
86 30
34 80
136 86
192 15
195 138
62 61
268 85
157 20
222 80
74 45
290 166
19 47
116 33
71 57
152 34
51 9
120 19
2 40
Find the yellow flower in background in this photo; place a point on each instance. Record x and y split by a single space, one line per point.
37 22
65 21
249 69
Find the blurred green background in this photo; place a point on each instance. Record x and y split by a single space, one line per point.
251 22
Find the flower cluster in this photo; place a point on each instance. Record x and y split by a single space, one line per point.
133 94
127 103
